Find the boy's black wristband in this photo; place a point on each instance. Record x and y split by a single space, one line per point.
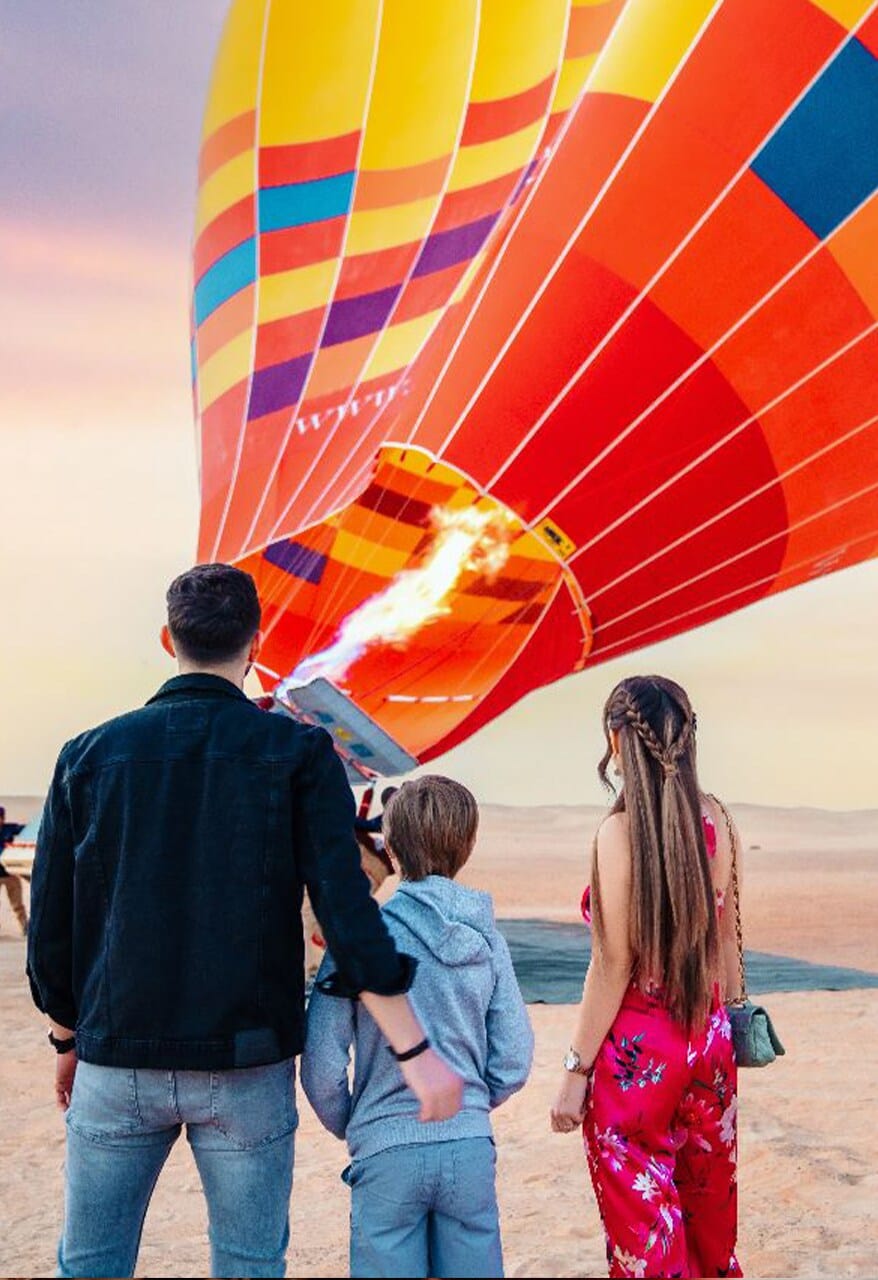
412 1053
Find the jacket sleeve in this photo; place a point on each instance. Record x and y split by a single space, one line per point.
510 1036
324 1064
362 949
50 934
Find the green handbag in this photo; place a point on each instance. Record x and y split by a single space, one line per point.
755 1040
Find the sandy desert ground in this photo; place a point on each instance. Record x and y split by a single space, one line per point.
808 1169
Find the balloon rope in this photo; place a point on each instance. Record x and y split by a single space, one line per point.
580 226
242 429
279 456
815 561
511 234
740 555
596 591
331 434
771 404
817 248
367 438
742 172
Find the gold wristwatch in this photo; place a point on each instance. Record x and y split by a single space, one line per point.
573 1062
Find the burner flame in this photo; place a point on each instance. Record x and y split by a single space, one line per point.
467 541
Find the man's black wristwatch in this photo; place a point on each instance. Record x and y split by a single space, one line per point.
62 1046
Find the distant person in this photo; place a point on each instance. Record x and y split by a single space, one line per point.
166 945
650 1075
372 826
8 880
423 1196
374 859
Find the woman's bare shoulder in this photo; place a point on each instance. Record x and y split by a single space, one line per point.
716 810
614 844
713 808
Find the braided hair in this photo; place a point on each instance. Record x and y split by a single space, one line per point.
673 926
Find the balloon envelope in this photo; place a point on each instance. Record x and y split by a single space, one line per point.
603 273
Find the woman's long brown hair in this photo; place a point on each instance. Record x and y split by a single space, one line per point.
673 925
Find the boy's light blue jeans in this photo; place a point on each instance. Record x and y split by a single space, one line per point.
426 1210
121 1126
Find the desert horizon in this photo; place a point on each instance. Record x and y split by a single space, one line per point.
30 803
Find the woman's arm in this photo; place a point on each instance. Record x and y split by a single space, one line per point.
731 968
609 972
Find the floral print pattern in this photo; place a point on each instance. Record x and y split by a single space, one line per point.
661 1139
632 1072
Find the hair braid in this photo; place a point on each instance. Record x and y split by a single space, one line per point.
666 756
644 730
650 725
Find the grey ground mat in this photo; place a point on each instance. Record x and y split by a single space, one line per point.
550 961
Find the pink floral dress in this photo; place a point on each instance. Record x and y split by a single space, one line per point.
661 1137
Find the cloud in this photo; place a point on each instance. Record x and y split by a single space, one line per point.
102 107
93 320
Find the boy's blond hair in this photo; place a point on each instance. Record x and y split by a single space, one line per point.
430 827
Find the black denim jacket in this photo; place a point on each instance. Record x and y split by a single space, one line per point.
167 886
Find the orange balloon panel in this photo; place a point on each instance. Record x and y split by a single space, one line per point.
624 363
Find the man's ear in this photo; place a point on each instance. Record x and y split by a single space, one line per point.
167 642
255 646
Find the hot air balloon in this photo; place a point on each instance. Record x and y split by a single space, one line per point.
528 334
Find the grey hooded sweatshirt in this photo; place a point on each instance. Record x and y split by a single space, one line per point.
467 999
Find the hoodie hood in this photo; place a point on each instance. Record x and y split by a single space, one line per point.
453 922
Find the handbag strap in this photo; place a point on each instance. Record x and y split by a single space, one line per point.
739 932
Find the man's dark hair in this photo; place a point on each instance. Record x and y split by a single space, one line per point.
213 613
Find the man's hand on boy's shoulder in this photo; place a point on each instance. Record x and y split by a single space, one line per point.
438 1089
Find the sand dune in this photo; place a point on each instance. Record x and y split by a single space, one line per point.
810 882
808 1172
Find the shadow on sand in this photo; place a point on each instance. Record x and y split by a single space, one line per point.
550 960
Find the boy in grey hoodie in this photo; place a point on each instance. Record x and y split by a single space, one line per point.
423 1197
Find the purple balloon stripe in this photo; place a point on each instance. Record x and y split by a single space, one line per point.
355 317
293 558
278 386
446 248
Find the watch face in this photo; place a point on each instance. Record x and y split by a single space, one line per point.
573 1061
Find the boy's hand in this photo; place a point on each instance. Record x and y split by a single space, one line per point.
438 1089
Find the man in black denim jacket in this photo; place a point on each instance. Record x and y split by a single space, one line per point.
166 936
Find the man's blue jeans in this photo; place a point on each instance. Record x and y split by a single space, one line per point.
121 1126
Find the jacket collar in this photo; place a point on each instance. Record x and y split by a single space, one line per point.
200 686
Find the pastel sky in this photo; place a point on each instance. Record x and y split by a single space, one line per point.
101 105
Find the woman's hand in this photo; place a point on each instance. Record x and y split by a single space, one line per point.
568 1112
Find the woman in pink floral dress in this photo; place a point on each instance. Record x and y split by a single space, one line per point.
650 1075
